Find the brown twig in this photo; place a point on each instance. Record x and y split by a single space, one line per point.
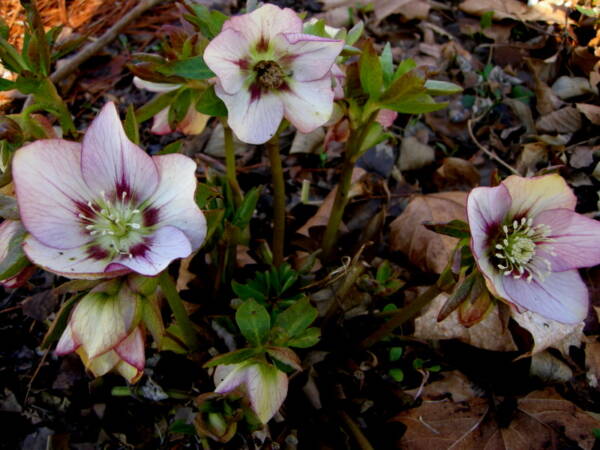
491 154
73 63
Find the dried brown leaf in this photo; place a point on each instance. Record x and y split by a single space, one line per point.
513 9
426 249
414 154
591 112
565 120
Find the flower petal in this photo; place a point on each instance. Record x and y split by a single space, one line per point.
160 122
228 377
72 263
153 256
49 187
253 120
130 373
562 296
531 196
111 162
154 87
66 343
311 57
308 105
264 23
101 321
175 197
194 122
99 365
576 239
267 388
131 350
227 55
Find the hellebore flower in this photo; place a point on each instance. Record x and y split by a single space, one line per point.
267 69
264 385
104 207
528 242
105 331
14 265
194 122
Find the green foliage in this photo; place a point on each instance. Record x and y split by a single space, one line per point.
454 228
370 69
15 260
131 126
208 22
193 68
210 104
273 283
254 322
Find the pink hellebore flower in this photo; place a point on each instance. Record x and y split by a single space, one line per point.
528 243
267 69
9 230
194 122
104 208
105 331
265 386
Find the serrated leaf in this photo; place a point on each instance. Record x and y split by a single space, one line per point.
210 104
234 357
254 322
307 339
297 318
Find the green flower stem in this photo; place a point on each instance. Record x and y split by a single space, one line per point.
278 200
401 316
230 165
181 316
351 155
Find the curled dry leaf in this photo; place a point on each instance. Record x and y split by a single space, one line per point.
567 87
426 249
592 360
455 173
565 120
513 9
548 333
542 419
489 334
591 112
414 154
454 385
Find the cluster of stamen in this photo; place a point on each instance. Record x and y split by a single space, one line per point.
515 250
269 74
114 224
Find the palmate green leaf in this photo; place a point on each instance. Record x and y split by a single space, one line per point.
210 104
254 322
234 357
193 68
371 72
297 318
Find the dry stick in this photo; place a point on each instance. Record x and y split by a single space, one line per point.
278 200
491 154
73 63
360 439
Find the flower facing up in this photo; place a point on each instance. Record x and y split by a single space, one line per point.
264 385
528 242
104 207
194 122
267 69
105 331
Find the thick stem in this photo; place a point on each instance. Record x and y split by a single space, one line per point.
278 200
230 165
401 316
339 205
181 316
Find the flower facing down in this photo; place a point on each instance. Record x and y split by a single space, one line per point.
15 268
267 69
528 242
104 207
194 122
105 331
264 385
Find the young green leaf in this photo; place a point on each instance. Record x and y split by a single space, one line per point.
404 67
387 64
210 104
297 317
307 339
173 147
254 322
246 210
234 357
154 106
435 87
193 68
371 72
131 126
6 85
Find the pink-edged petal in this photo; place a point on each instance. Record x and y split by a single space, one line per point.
66 343
153 256
194 122
175 197
131 350
253 118
308 105
227 55
562 296
576 239
131 373
339 78
160 122
49 187
111 162
309 57
228 377
154 87
531 196
386 117
78 262
99 365
267 388
264 23
19 279
101 321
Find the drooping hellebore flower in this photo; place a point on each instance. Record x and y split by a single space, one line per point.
194 122
105 331
267 69
104 207
15 265
264 385
528 243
